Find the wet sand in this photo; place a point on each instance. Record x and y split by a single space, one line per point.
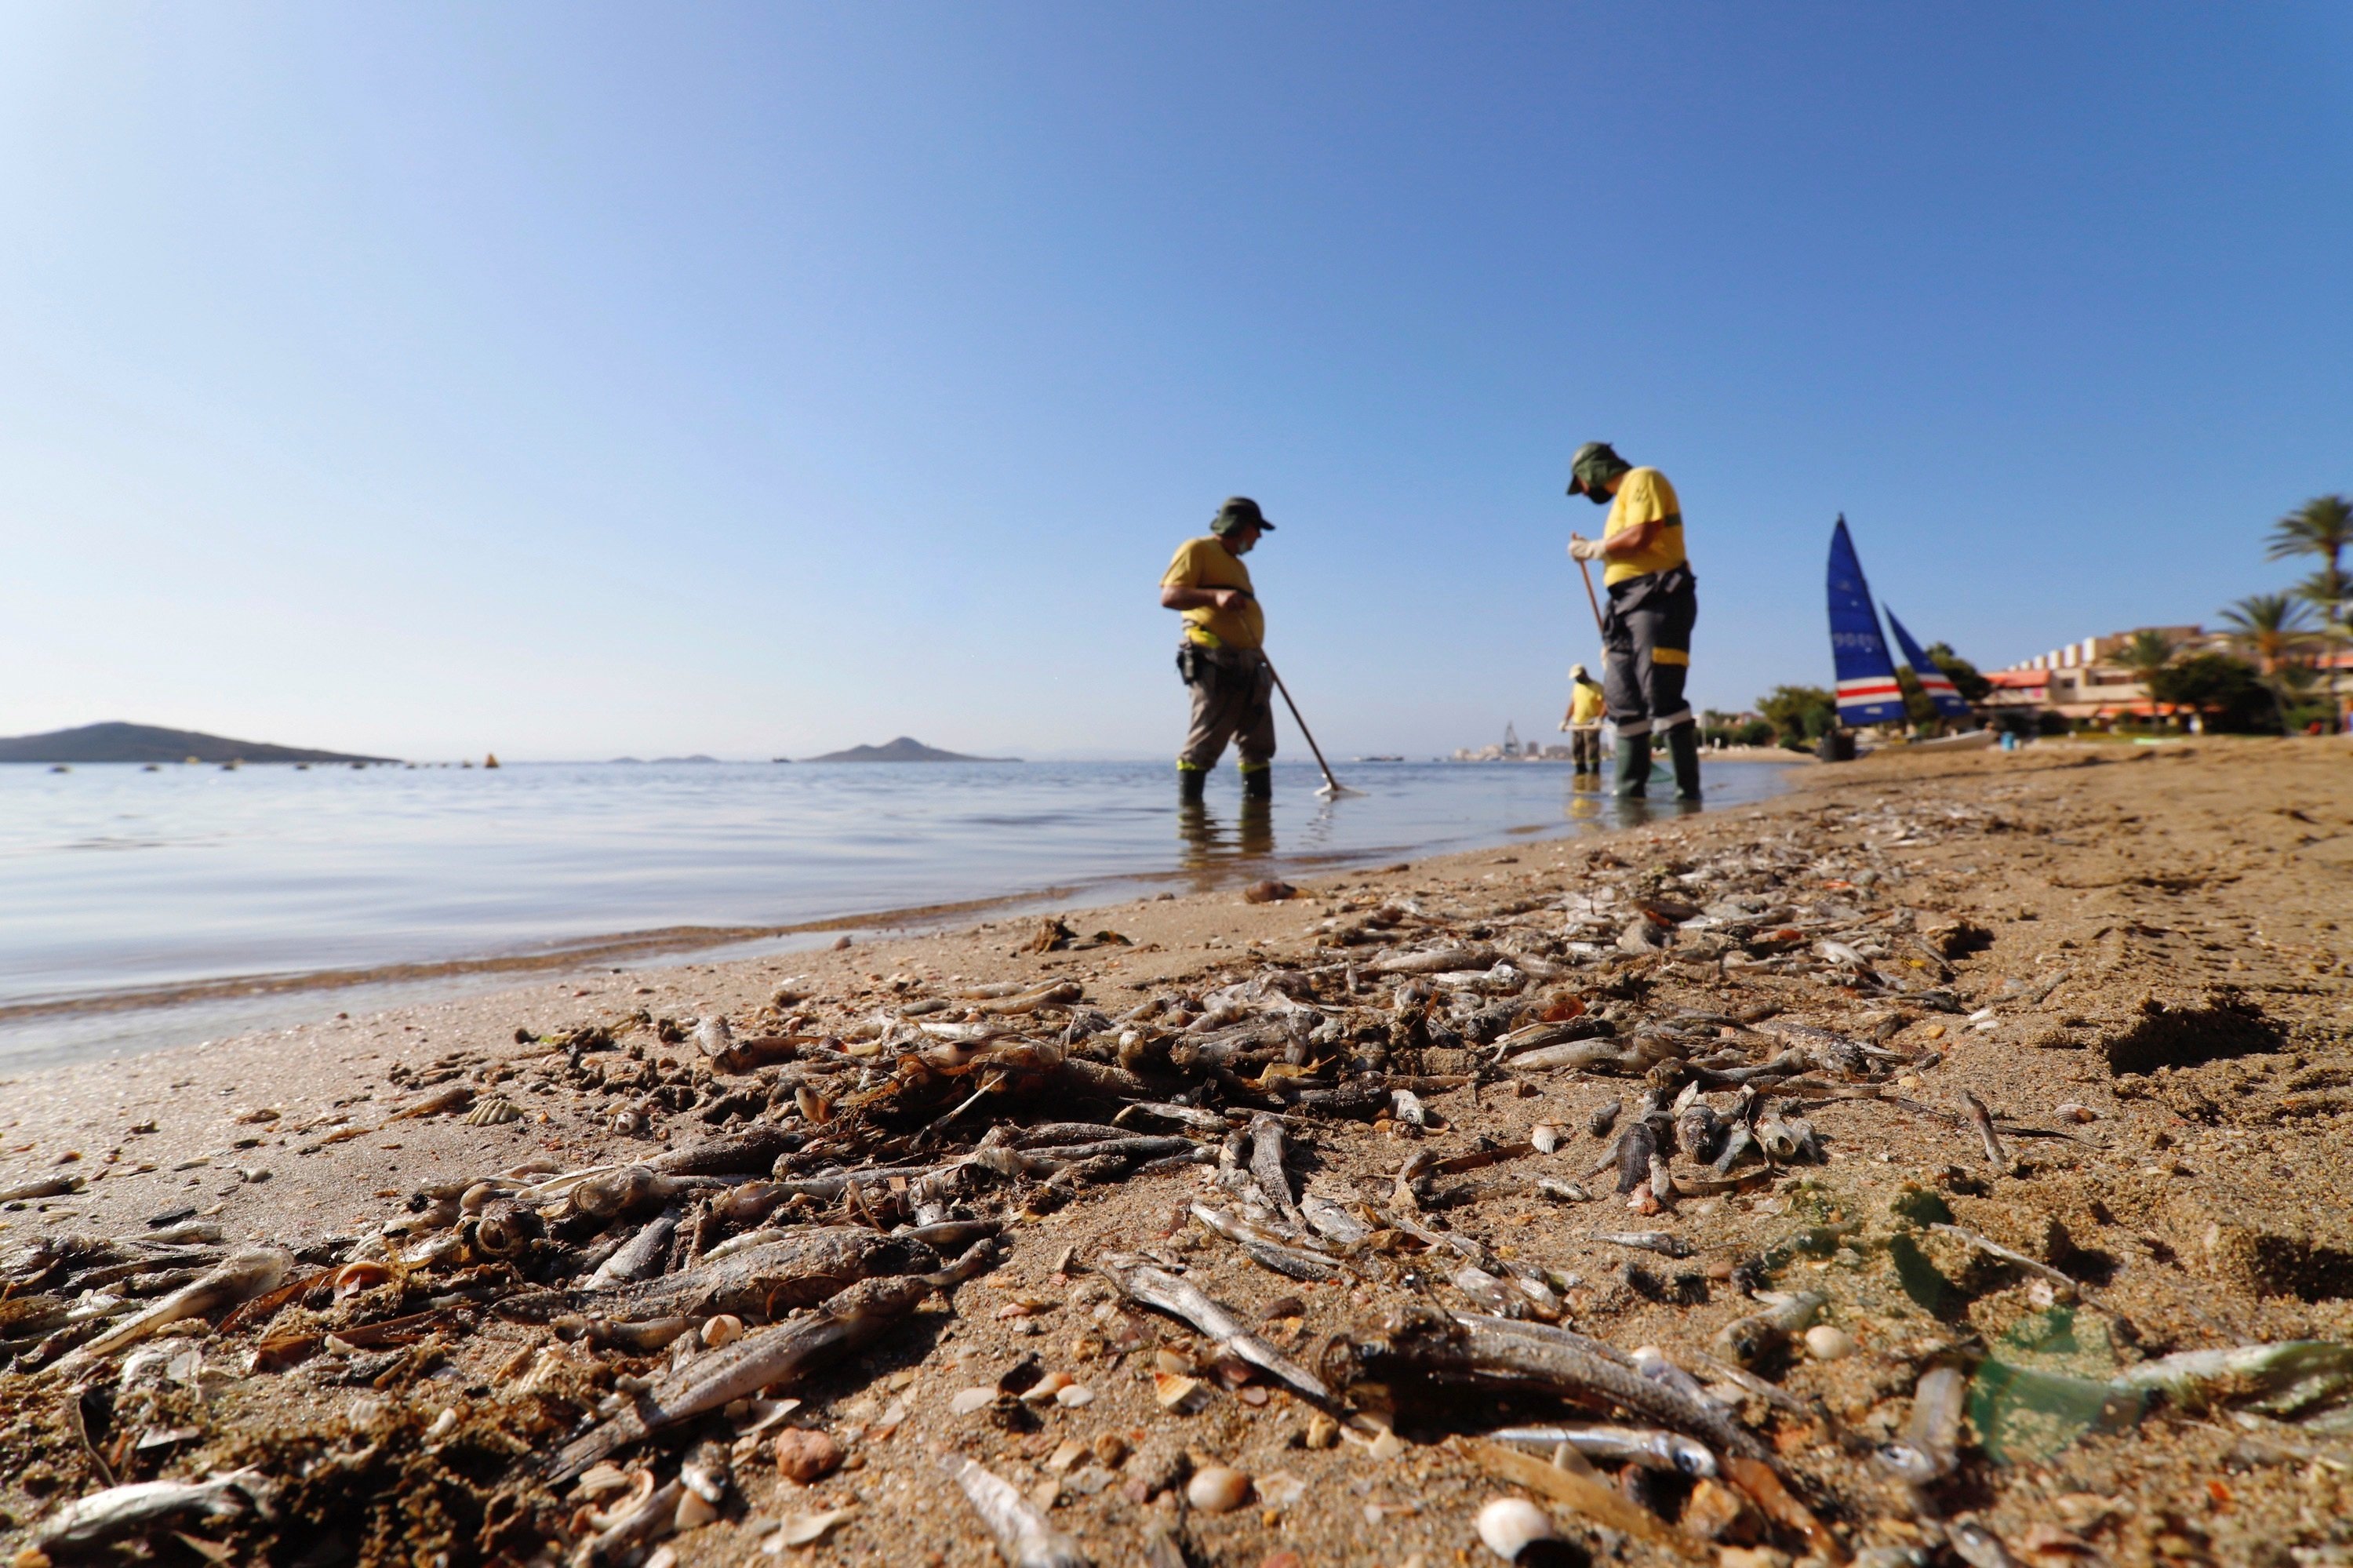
2155 931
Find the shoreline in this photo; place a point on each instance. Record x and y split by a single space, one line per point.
2073 897
134 1018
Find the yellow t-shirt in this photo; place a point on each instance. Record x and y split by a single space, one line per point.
1205 563
1585 703
1644 496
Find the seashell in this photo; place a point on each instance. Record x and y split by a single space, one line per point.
496 1110
1218 1489
354 1278
712 1037
1825 1343
1173 1389
724 1330
1510 1525
1546 1137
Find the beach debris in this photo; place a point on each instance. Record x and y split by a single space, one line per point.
1507 1526
1024 1538
1218 1489
1164 1292
118 1511
1650 1446
236 1280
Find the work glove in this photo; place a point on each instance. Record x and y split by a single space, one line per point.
1585 549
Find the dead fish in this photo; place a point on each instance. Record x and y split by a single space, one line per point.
1024 1537
1488 1291
1983 1118
1407 1107
1739 1142
1179 1298
799 1268
1649 1446
1266 1166
457 1096
2281 1379
45 1187
639 1256
1659 1242
1604 1118
1696 1131
1928 1450
1418 1342
495 1111
1978 1546
712 1037
1587 1054
1636 1147
614 1192
1749 1340
1563 1192
766 1356
1331 1221
1641 935
117 1512
506 1228
240 1278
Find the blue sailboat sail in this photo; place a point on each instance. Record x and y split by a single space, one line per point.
1867 691
1938 685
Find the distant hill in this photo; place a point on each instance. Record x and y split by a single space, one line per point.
146 743
904 750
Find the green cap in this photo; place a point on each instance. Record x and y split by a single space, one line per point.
1238 512
1595 465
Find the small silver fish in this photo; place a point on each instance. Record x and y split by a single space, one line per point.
240 1276
1651 1448
1024 1537
1659 1242
121 1511
1331 1221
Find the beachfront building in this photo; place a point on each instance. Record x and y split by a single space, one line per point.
2083 682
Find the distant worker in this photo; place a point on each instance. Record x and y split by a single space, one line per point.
1653 600
1220 655
1583 721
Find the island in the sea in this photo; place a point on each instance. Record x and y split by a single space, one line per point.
118 742
904 749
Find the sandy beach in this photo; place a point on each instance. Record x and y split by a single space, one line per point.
2149 938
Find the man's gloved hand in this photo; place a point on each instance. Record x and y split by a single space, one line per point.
1583 549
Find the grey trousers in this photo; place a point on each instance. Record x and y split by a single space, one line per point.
1646 647
1234 700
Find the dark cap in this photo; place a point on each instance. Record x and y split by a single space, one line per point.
1238 512
1595 465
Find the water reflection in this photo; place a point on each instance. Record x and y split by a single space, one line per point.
1212 846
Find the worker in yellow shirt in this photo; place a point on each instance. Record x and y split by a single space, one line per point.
1653 601
1583 721
1220 655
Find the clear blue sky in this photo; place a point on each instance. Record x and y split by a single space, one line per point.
570 380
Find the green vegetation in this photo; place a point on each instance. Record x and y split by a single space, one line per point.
2228 691
1800 714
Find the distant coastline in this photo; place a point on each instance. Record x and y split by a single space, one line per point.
906 749
120 742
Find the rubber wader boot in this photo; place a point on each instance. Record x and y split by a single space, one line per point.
1257 783
1633 779
1192 785
1683 745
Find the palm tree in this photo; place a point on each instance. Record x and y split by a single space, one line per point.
2322 527
2146 652
2268 626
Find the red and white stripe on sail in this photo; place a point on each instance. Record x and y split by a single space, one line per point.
1936 682
1870 689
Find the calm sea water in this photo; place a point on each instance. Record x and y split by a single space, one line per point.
140 909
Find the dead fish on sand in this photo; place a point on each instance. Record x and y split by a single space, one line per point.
1024 1538
118 1511
239 1280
